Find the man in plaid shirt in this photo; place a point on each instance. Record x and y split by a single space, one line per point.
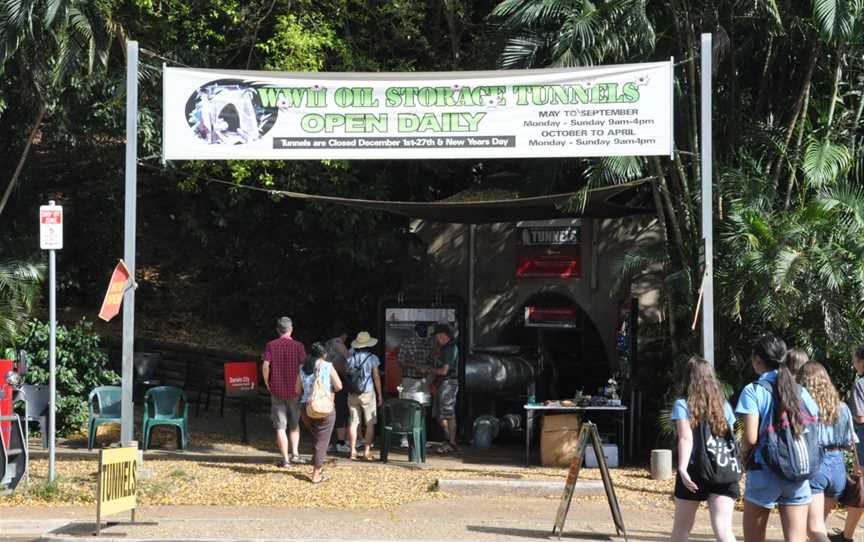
282 360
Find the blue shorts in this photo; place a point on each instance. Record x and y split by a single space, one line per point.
766 489
831 478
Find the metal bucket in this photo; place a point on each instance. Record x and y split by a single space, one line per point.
485 431
422 397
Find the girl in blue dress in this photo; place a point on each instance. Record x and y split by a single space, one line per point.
704 402
764 489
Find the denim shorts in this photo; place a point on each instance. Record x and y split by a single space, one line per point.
831 478
766 489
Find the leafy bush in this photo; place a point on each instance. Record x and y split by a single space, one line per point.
81 366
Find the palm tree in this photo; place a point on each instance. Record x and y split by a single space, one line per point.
51 40
19 290
572 33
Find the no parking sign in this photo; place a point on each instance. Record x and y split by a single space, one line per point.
51 227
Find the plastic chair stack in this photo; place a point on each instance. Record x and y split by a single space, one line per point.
162 406
404 417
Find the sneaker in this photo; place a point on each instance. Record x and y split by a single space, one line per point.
404 443
297 460
838 537
343 448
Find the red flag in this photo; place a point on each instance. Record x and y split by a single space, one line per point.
114 295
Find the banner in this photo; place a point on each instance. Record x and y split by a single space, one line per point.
114 294
623 110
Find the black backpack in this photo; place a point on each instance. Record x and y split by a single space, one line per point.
716 460
355 384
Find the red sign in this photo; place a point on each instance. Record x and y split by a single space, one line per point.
550 317
241 377
563 267
51 227
114 295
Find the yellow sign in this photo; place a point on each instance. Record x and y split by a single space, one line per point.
118 468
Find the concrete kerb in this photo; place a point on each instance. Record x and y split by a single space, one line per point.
125 539
517 488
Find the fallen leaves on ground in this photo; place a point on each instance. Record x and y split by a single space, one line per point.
172 482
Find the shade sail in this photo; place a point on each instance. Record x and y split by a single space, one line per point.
599 204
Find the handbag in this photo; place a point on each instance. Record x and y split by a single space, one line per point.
853 496
320 402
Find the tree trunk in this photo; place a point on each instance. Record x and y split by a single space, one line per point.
765 82
452 30
776 167
671 217
36 125
796 160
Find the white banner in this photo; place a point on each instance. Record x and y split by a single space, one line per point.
623 110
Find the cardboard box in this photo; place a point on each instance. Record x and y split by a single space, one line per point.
559 439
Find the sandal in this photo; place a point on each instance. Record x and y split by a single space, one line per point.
321 480
283 464
369 458
297 460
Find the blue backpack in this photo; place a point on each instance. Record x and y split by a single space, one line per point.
793 458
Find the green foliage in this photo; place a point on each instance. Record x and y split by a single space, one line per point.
81 366
301 45
19 291
566 33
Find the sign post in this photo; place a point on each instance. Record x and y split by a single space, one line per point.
126 413
241 381
51 239
707 204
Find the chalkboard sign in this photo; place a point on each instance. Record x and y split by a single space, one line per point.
589 430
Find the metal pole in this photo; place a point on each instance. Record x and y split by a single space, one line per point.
472 255
126 407
707 203
52 363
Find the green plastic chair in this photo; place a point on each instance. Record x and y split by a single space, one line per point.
103 405
162 407
404 417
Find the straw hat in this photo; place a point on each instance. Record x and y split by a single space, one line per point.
364 340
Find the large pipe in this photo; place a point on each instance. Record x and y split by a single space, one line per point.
495 373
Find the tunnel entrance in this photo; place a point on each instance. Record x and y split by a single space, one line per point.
571 355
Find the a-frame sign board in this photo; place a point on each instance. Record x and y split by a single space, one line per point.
589 430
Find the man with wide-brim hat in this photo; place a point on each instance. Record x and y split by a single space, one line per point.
446 367
363 382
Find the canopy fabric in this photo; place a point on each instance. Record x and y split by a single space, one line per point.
598 205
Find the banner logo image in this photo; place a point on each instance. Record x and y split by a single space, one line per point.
229 112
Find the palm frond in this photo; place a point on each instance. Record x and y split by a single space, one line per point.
824 161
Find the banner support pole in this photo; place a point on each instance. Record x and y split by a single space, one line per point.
707 201
126 406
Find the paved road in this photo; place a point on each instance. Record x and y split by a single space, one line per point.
457 519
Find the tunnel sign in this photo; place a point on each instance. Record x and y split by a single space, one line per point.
117 482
